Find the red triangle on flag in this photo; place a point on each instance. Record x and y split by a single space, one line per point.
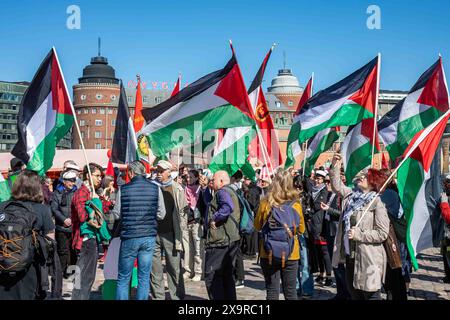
425 151
435 92
367 94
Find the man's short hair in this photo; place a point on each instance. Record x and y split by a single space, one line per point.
237 176
137 168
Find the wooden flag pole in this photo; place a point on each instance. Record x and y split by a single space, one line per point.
376 109
304 157
76 125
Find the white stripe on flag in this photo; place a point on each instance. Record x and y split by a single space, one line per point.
312 147
131 142
352 142
231 136
40 125
202 102
253 96
321 113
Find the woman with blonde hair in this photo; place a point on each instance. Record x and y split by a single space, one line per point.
280 219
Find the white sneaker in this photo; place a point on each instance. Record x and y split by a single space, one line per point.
197 278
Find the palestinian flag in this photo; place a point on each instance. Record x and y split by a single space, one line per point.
232 153
124 149
294 149
356 150
345 103
413 178
321 142
5 192
45 116
425 102
264 122
217 100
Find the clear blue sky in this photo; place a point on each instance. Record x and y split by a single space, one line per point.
159 39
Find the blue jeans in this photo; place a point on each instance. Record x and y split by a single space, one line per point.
130 249
305 281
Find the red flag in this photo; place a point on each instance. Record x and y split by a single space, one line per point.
138 121
110 169
307 94
177 87
264 122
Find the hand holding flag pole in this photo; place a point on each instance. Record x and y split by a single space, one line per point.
414 144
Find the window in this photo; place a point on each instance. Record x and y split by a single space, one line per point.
98 122
82 134
102 110
144 99
79 111
13 127
113 97
130 99
98 146
83 97
277 104
110 111
98 134
98 96
94 110
112 135
290 103
86 110
158 99
113 122
82 123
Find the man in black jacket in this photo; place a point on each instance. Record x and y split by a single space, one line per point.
60 204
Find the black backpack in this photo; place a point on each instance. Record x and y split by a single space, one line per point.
17 236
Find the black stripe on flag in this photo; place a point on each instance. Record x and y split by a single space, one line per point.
424 77
346 86
190 91
36 93
120 142
257 81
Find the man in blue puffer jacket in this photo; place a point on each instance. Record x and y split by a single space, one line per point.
141 204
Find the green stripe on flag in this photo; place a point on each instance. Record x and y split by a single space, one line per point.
346 115
360 159
42 158
5 193
408 128
227 116
410 178
325 143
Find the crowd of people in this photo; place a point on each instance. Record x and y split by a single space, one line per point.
188 223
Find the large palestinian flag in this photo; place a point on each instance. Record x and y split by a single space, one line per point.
345 103
426 101
218 100
321 142
293 146
413 178
264 121
124 149
356 150
45 116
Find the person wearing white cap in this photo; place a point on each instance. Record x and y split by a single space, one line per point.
60 204
169 236
317 194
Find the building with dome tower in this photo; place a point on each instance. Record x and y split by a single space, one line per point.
282 97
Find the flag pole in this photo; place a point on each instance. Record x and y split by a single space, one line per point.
376 109
431 127
304 157
76 123
265 153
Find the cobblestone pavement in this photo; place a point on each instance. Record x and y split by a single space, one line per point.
426 283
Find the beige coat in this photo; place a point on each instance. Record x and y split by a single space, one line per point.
370 256
179 214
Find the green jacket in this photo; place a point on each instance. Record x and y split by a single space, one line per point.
227 231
